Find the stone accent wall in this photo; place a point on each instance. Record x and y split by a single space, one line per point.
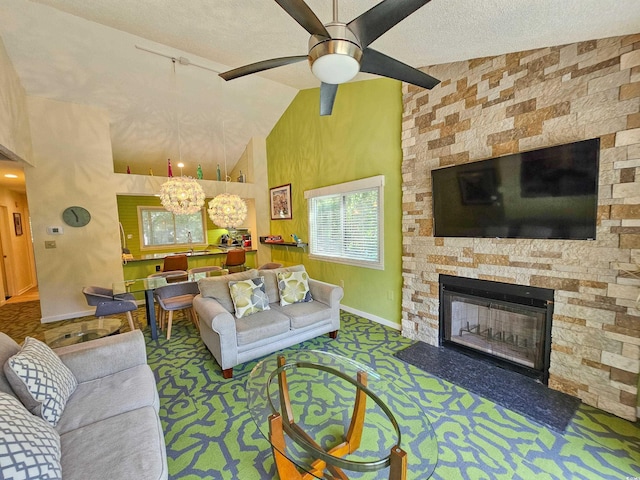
494 106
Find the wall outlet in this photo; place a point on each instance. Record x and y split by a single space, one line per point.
390 295
342 283
49 244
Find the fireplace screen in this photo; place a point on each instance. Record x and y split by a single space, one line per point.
512 332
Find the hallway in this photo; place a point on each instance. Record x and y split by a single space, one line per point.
30 295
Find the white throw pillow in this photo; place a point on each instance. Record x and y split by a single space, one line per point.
29 446
41 381
294 288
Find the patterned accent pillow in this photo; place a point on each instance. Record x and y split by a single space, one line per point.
29 446
294 288
40 379
249 296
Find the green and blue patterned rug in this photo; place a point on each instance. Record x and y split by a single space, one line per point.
210 434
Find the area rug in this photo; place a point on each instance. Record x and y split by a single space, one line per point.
510 389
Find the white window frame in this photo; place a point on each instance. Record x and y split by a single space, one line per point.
344 189
165 246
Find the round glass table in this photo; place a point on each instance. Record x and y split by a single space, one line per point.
327 416
83 331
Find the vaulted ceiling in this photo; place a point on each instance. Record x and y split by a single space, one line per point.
85 52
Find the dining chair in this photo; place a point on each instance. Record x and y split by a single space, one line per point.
208 268
107 304
175 262
235 260
270 266
176 297
172 276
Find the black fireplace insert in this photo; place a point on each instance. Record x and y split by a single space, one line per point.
507 324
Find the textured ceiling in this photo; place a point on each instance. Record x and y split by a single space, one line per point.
84 52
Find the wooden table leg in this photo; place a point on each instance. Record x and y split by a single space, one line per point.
398 468
286 469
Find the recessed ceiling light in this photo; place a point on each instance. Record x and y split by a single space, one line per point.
11 175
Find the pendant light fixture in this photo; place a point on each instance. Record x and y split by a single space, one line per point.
227 210
180 195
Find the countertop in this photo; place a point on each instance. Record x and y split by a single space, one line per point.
219 250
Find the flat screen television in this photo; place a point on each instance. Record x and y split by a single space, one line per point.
547 193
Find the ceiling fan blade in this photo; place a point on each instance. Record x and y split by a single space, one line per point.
260 66
380 64
327 97
302 14
380 18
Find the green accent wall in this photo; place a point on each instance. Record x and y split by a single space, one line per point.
362 138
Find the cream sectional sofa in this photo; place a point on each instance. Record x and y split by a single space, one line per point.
109 428
233 341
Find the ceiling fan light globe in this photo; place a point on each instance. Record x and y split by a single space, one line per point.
335 68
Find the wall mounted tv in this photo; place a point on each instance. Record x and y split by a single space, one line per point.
546 193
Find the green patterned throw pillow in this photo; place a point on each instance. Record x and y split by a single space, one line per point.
249 296
293 287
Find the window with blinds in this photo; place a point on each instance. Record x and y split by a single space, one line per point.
346 221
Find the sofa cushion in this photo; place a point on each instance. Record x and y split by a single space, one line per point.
8 348
293 288
258 326
127 446
109 396
41 381
304 314
271 280
218 287
29 446
248 296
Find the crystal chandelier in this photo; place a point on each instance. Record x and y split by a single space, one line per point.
180 195
227 210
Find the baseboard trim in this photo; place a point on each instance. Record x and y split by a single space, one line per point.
67 316
373 318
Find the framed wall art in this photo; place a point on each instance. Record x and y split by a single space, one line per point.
281 202
17 223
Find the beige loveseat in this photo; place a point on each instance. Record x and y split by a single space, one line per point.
233 341
109 428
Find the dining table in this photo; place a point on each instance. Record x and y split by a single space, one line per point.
148 285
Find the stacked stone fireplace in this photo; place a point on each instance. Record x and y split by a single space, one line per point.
516 102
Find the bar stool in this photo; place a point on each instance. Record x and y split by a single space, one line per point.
235 260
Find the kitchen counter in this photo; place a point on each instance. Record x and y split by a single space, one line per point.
188 253
144 265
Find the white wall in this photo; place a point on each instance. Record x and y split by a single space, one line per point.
72 150
15 141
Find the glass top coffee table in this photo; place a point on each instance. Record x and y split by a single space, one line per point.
327 416
81 331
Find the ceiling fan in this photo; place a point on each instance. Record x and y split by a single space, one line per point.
338 51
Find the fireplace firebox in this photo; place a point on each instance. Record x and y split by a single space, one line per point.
508 324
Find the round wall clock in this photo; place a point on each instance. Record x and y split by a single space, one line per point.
76 216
